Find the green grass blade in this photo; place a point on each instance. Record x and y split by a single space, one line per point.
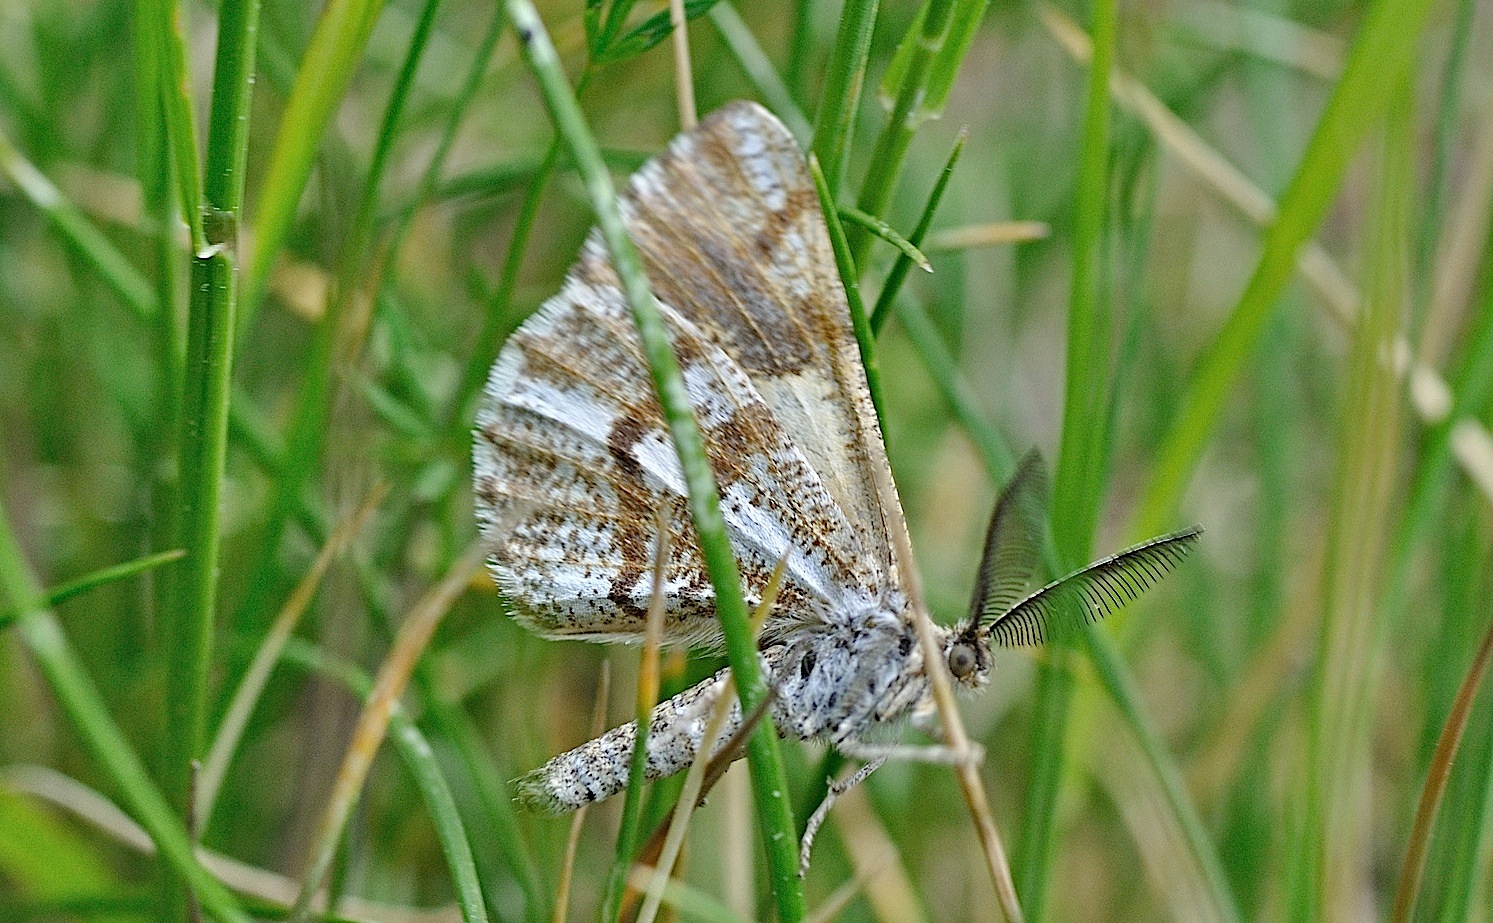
845 75
84 708
96 251
903 264
359 274
98 578
759 69
774 811
233 86
885 232
1377 65
944 68
202 434
926 38
419 759
1079 469
859 322
1351 652
326 68
165 19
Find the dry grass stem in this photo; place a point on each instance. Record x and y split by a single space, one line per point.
373 722
937 672
241 706
993 234
88 805
684 77
1320 271
1436 779
573 839
694 778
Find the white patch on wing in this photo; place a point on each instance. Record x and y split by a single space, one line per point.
655 452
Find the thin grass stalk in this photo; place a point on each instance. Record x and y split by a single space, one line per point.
153 168
96 251
419 759
573 841
859 322
943 368
206 385
759 70
1414 867
999 463
266 893
1454 887
353 255
1378 64
684 78
1079 466
497 318
373 723
800 43
769 780
102 577
430 180
1338 767
844 78
646 698
327 67
1443 143
690 902
884 232
307 429
1338 296
256 678
1120 685
694 778
892 143
84 708
165 19
494 801
228 119
1431 477
903 264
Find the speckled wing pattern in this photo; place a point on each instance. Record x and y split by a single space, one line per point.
573 462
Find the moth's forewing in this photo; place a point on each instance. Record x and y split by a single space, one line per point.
731 232
572 455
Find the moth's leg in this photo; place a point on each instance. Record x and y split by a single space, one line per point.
598 768
816 820
938 754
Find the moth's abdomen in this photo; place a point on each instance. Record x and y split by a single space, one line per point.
598 768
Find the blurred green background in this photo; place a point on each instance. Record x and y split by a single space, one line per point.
1249 289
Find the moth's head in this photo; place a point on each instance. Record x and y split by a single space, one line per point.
967 655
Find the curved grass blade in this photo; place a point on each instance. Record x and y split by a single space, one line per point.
97 579
887 233
1095 591
898 273
84 707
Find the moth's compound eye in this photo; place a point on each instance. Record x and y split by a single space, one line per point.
962 660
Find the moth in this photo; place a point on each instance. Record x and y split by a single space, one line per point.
574 468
